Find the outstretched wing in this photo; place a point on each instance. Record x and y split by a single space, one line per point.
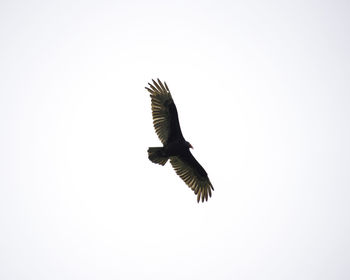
193 174
165 118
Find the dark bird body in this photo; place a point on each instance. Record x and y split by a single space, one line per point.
175 147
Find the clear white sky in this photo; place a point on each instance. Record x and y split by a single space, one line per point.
263 94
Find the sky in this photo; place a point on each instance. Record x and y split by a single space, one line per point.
262 90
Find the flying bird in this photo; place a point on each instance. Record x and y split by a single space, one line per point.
175 147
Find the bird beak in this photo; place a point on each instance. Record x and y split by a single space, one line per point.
191 146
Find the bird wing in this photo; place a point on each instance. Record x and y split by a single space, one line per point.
193 174
165 118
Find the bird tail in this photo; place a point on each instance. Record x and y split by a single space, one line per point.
156 155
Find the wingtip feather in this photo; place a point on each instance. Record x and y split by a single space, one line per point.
166 87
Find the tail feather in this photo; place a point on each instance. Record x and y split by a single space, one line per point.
156 155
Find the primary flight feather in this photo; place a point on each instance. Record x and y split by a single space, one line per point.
175 147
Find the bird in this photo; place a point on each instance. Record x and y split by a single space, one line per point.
175 147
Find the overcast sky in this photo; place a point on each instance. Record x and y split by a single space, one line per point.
263 94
